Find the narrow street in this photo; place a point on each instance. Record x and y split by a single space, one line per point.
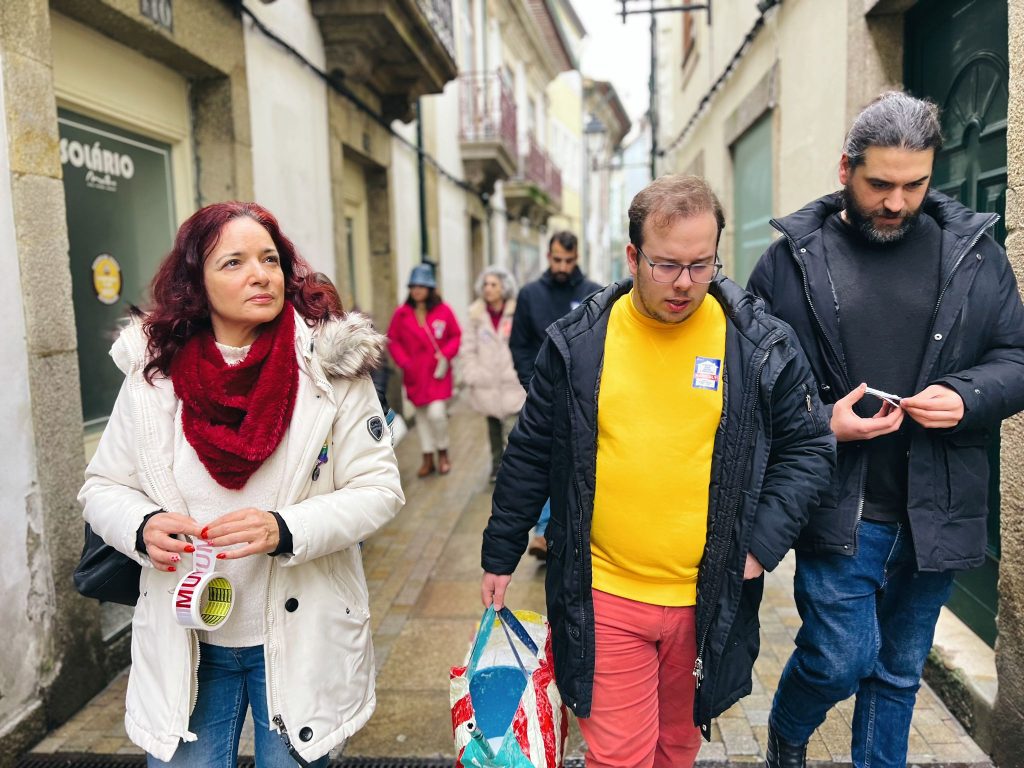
423 572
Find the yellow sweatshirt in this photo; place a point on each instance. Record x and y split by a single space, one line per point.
659 406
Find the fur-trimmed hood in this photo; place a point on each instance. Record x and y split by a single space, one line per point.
348 347
345 348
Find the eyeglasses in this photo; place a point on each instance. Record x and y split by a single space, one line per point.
669 273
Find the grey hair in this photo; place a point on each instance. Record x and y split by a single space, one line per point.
894 119
508 283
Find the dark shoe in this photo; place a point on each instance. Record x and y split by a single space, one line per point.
427 467
443 465
538 547
782 754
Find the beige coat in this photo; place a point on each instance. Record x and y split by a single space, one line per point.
487 369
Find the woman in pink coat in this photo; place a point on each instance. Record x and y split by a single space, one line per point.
424 338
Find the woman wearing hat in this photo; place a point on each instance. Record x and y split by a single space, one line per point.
424 338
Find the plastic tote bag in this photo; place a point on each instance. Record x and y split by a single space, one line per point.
506 710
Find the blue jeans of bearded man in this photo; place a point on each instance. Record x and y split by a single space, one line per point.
868 624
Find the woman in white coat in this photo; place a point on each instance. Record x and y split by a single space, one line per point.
247 426
487 368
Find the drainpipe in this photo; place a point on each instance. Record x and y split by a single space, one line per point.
421 173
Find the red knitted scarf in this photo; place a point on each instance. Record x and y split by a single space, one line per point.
235 415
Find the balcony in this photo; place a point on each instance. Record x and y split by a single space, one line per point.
399 49
487 129
536 190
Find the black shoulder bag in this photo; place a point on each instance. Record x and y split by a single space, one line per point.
105 574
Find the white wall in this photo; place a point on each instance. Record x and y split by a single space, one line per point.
27 608
405 209
454 218
288 114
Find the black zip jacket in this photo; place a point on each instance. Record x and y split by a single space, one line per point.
773 457
975 346
538 305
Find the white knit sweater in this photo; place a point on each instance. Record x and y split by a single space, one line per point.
207 500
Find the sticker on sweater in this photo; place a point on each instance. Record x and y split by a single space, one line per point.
375 426
438 326
706 373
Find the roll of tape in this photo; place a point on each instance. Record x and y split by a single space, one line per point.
203 598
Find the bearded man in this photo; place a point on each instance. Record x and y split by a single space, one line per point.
891 284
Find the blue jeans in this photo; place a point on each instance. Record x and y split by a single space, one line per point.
545 515
868 624
229 680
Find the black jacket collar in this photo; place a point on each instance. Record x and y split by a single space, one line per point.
743 309
951 216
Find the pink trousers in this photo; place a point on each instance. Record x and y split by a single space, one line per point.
642 710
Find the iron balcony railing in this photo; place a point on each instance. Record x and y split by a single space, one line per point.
537 167
488 111
439 14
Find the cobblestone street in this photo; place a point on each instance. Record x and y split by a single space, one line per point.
423 572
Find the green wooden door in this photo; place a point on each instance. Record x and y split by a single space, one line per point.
752 197
957 55
120 215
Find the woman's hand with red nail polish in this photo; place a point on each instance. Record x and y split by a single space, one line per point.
161 537
256 529
189 548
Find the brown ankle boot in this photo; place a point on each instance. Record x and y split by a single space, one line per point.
427 467
443 465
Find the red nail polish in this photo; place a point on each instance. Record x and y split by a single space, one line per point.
171 569
221 555
175 558
189 548
202 533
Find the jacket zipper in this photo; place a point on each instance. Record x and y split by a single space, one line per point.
814 311
698 667
194 698
272 705
579 524
279 722
949 279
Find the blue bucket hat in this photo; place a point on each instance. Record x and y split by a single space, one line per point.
422 274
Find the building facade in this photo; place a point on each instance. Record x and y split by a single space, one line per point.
380 134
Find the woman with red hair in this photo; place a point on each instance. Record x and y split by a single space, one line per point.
247 426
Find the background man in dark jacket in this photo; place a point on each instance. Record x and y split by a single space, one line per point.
893 285
561 288
679 435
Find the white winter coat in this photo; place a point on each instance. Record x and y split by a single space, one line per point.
319 659
487 368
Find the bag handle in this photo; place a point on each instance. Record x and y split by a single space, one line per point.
508 621
430 335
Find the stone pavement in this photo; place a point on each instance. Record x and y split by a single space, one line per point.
423 572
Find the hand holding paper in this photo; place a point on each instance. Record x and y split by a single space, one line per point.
847 425
935 407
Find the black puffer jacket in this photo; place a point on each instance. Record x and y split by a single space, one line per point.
538 305
975 346
772 458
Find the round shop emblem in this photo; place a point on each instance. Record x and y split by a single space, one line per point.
106 279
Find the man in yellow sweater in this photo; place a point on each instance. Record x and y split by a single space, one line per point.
677 430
